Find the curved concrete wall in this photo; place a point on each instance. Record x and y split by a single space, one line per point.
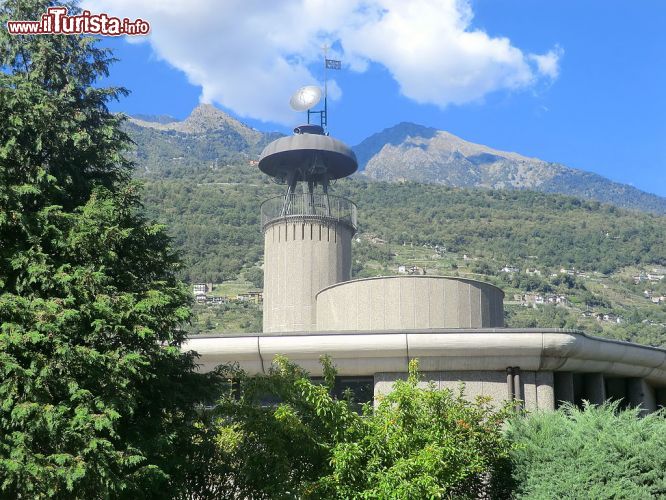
301 256
408 303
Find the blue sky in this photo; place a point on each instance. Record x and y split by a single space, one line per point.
596 103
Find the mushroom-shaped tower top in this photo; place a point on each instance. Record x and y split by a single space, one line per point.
307 156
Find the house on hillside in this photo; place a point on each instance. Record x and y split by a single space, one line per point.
608 318
411 270
255 296
510 269
562 300
198 288
533 299
216 300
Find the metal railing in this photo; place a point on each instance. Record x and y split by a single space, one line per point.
305 205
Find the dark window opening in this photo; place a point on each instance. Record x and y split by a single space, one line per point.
616 390
578 389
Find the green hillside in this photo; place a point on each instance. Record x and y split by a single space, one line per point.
213 215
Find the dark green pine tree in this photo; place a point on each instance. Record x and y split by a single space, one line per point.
96 398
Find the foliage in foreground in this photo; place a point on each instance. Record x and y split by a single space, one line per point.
419 442
596 452
95 395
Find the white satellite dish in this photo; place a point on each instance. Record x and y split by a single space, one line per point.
305 98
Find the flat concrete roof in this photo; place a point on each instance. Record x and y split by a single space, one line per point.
382 332
367 353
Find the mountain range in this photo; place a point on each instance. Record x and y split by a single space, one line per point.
410 152
404 152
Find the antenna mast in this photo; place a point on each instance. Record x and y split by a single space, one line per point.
324 117
323 113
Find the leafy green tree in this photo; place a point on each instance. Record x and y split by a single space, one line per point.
269 437
423 443
255 276
96 398
285 436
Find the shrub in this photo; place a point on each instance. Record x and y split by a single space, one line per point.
596 452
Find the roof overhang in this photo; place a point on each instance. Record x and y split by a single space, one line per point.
367 353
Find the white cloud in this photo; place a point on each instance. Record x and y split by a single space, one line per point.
250 55
549 64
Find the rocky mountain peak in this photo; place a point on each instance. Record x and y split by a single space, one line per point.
203 119
206 117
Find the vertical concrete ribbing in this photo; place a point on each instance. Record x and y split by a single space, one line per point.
295 269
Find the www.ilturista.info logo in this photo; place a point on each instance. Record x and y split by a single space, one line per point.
56 21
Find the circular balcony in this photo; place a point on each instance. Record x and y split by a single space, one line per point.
304 205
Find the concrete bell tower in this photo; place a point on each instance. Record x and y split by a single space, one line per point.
307 232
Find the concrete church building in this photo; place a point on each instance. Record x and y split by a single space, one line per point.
373 327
